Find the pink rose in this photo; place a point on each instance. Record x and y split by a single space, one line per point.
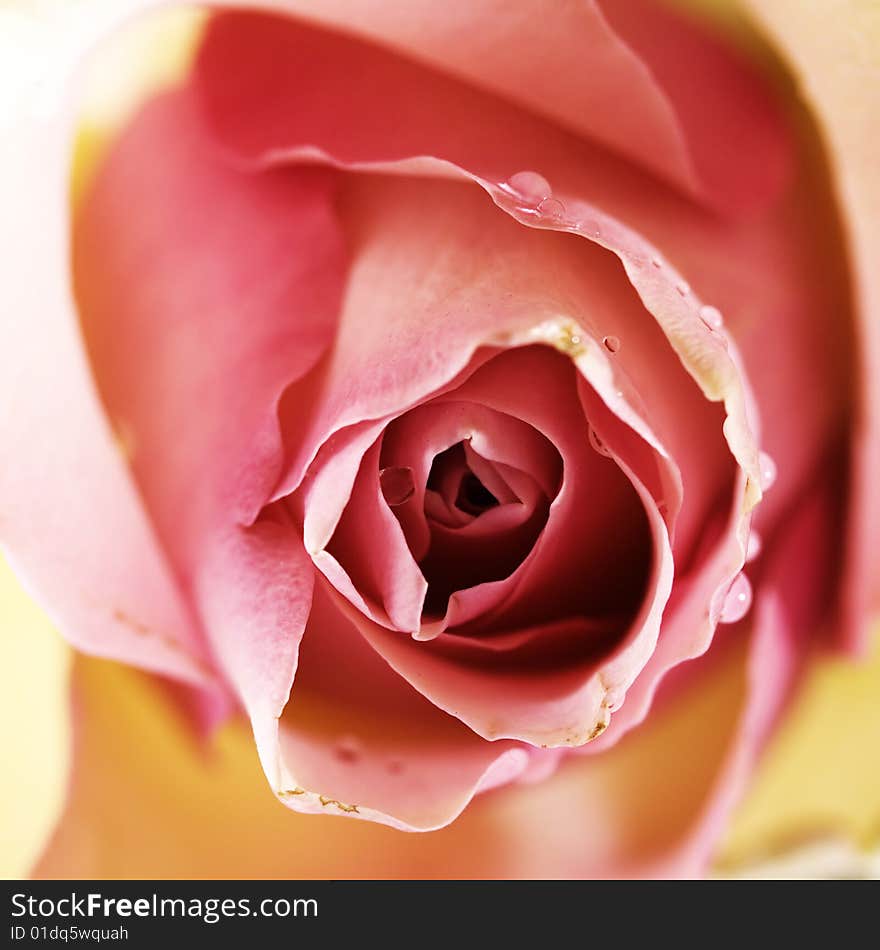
454 392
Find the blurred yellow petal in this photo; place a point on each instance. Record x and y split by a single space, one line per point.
34 727
821 774
148 800
136 62
833 49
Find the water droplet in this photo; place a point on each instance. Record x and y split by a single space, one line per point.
768 471
683 287
552 209
597 443
656 262
711 316
397 484
737 600
348 749
530 186
753 549
611 343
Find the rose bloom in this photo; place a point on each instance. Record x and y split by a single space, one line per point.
480 398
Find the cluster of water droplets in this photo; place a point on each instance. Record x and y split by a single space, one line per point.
739 596
738 599
533 196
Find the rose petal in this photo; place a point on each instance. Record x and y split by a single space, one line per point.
401 224
420 435
201 313
192 355
738 140
588 558
539 69
833 51
707 357
72 521
392 219
761 247
588 820
562 703
357 740
370 546
257 580
798 573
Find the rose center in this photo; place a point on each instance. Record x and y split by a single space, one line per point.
473 496
457 486
483 519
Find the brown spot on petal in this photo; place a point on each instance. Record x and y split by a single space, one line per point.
340 805
135 626
565 335
570 340
598 729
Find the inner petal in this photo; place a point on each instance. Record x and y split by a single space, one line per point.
480 529
483 483
459 489
473 496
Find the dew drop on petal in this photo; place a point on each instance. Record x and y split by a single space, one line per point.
597 443
611 343
737 600
397 484
683 287
656 262
754 546
530 186
768 471
712 317
552 209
